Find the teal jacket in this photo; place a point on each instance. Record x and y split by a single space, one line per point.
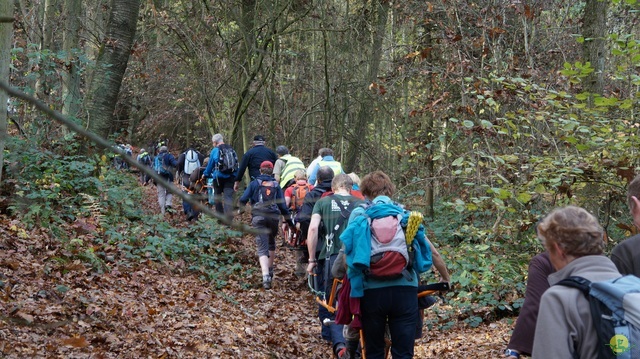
357 241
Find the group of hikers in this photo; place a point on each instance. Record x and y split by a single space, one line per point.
351 231
313 206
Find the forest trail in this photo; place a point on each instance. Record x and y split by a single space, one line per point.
163 310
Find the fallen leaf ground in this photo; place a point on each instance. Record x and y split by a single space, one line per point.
54 309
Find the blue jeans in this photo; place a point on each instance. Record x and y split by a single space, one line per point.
186 207
223 187
332 333
397 306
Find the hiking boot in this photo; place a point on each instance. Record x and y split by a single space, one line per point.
327 322
343 353
266 281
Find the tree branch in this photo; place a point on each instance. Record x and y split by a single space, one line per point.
160 181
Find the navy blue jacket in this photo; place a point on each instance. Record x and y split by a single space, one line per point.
252 160
251 194
169 160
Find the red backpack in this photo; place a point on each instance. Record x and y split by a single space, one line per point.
298 194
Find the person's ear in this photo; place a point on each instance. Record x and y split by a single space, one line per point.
636 203
557 248
635 210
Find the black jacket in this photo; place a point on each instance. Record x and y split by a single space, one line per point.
304 214
252 160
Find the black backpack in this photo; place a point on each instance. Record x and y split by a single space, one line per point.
228 161
266 198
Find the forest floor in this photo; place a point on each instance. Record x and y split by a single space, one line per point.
55 309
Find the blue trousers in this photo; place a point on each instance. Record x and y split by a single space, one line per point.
396 306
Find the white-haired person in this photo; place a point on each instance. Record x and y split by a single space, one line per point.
575 243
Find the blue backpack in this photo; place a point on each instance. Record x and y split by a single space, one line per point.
615 311
160 166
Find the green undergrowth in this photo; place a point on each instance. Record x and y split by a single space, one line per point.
487 249
488 274
94 214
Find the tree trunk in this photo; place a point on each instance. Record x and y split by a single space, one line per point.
111 65
244 80
594 31
6 30
46 41
365 113
71 78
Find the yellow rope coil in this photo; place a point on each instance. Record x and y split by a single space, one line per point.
415 219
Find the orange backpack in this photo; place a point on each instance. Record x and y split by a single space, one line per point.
298 194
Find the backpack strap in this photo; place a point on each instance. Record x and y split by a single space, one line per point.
598 311
344 214
580 283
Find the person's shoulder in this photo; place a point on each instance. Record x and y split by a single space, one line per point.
358 210
628 244
326 199
317 190
383 200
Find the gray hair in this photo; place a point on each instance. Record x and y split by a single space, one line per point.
574 229
217 138
341 181
282 150
325 152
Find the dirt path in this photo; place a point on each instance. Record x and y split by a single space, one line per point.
51 309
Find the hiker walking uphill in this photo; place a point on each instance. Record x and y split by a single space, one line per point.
383 269
144 158
327 160
164 165
267 202
303 218
286 166
252 159
330 216
188 161
314 163
197 188
222 169
294 197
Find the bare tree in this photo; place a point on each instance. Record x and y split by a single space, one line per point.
594 30
6 27
71 79
111 65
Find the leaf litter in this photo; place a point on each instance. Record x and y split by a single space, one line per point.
156 310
